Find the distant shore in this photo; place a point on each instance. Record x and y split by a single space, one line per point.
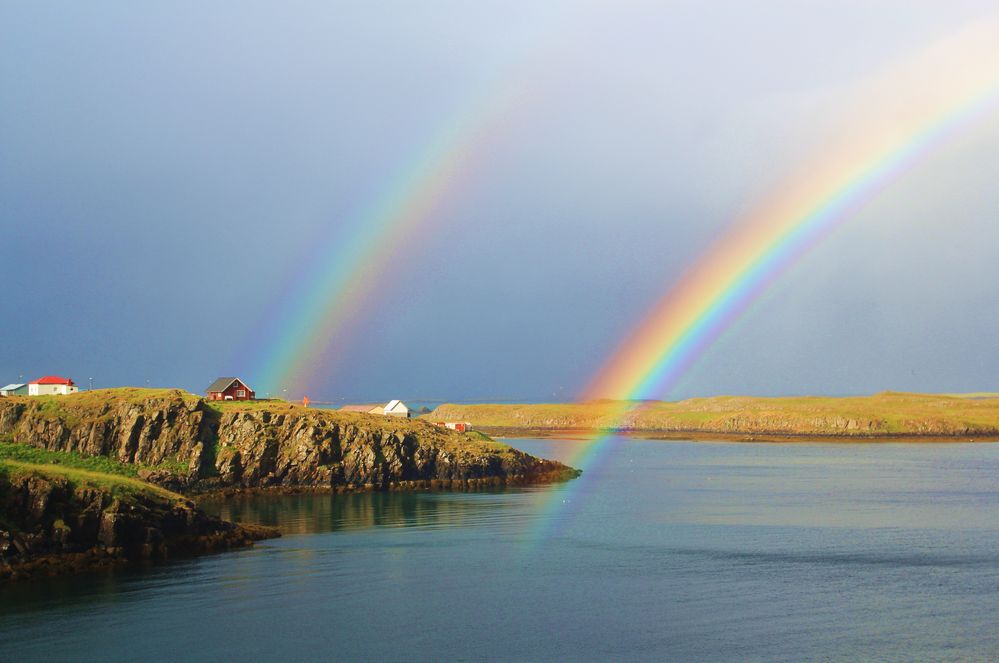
884 417
700 436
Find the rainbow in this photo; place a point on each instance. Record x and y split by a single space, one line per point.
315 325
899 127
311 326
724 284
732 276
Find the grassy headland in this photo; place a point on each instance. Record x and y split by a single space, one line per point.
888 415
97 478
115 484
190 445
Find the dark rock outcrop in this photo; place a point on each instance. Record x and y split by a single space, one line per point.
186 444
52 524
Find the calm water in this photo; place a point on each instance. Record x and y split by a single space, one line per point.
673 551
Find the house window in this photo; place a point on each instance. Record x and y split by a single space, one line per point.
240 393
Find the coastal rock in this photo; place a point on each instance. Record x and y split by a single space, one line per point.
52 524
186 444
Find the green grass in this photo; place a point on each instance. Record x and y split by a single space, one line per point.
25 453
115 484
174 465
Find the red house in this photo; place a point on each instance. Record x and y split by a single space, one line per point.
230 389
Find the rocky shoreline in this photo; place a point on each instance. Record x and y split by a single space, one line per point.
422 485
55 520
506 432
155 447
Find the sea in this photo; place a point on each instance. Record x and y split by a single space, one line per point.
662 551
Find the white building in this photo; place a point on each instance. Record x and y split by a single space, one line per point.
16 389
396 409
51 385
392 409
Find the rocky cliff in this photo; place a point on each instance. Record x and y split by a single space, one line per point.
184 443
55 519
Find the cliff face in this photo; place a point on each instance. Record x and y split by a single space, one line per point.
184 443
164 428
55 519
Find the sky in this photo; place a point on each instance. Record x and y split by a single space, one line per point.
171 172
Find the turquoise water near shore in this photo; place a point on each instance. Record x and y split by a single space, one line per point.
672 550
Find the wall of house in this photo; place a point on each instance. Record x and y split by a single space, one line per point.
233 392
51 389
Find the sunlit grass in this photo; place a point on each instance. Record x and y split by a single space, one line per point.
25 453
115 484
887 413
90 407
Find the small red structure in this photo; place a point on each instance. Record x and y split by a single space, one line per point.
460 426
230 389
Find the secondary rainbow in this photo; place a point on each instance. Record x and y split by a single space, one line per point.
323 304
312 324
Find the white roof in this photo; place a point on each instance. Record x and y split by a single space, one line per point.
395 405
11 387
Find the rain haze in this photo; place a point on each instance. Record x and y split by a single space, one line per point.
171 174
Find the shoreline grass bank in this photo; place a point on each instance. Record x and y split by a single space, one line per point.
888 416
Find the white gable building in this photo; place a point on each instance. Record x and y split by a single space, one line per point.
396 409
52 385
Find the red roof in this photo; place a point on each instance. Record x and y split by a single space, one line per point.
53 379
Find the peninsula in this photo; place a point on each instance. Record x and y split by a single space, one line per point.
884 416
105 476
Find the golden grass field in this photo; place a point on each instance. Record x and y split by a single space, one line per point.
887 414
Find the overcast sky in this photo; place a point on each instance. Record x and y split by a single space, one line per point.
166 169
